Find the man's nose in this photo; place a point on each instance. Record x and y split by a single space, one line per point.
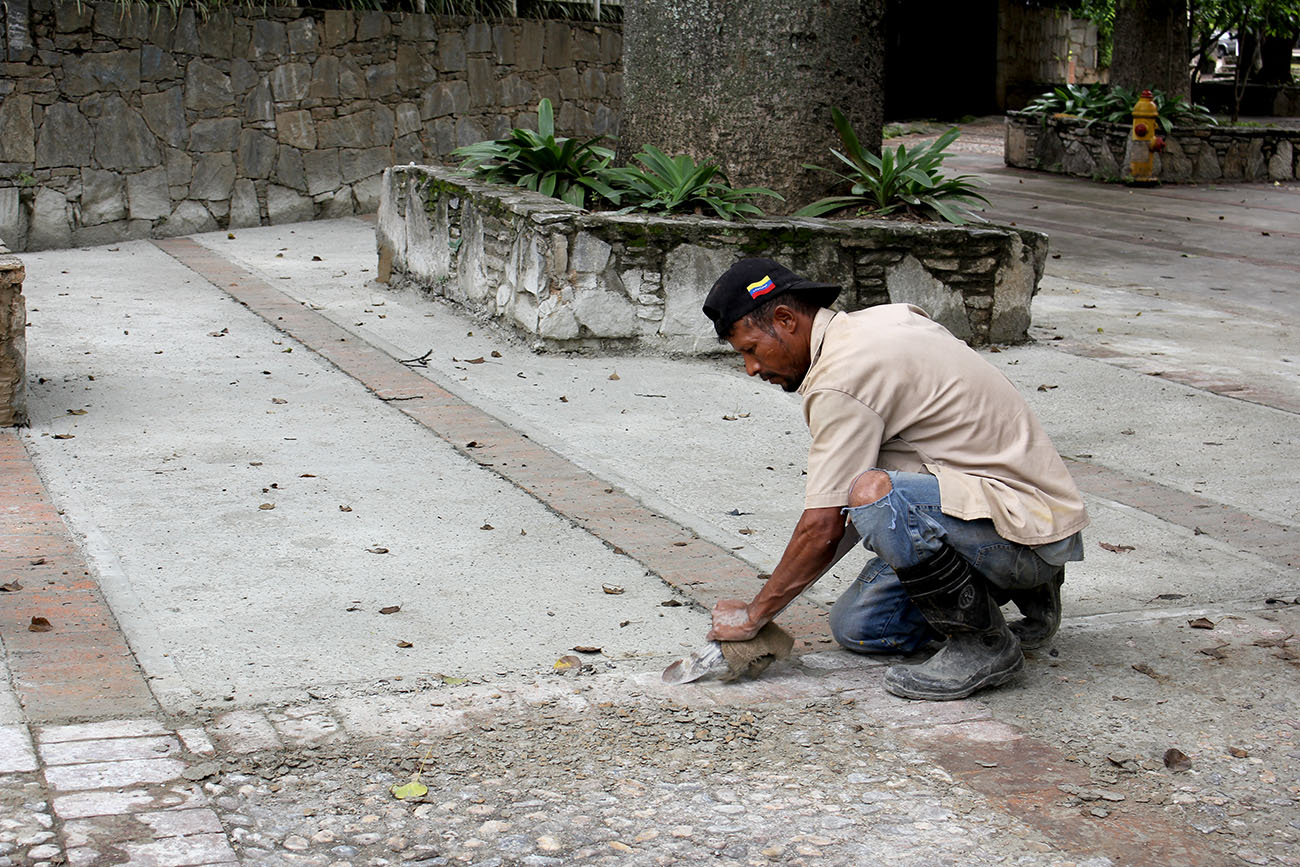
751 366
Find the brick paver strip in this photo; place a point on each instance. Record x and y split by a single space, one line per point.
83 667
701 570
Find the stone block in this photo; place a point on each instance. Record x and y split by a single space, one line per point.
187 218
514 91
214 134
1280 163
13 226
322 168
338 27
586 43
244 211
373 25
407 119
445 98
17 133
417 27
451 51
1207 165
302 36
469 131
109 750
689 271
335 204
414 72
214 175
503 43
367 192
289 169
256 154
109 71
366 128
206 87
269 40
407 149
147 195
481 79
290 82
441 135
65 138
80 805
123 140
284 205
16 755
180 167
296 129
605 314
190 849
325 78
352 81
164 114
592 84
381 79
557 45
106 775
260 106
157 64
910 283
478 37
103 198
217 35
589 254
355 165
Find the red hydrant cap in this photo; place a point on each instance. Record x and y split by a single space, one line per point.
1140 129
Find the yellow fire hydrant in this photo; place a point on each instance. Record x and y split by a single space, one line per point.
1143 143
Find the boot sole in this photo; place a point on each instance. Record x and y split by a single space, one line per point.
993 679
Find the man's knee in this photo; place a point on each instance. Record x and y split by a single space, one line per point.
869 487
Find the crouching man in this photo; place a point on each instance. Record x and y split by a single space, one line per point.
940 467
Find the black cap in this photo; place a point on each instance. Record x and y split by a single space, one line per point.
750 283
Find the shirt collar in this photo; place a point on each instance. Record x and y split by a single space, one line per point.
820 323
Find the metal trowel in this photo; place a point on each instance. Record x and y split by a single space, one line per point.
707 661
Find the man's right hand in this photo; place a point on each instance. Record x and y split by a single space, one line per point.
732 621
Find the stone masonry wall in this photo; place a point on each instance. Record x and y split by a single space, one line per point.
1072 147
13 341
1040 47
572 280
149 123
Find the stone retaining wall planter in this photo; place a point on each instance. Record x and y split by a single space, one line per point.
149 122
13 341
1069 146
572 280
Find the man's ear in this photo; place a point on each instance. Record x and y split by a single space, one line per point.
785 318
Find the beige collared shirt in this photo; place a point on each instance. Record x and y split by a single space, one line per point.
890 389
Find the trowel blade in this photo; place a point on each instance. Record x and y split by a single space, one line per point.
706 661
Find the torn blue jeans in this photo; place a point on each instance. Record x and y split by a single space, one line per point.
906 526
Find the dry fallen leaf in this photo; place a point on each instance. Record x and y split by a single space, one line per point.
1177 760
449 680
266 507
1201 623
1143 668
1237 752
279 401
567 663
390 609
377 550
345 508
563 399
478 360
306 475
671 603
76 412
496 354
39 624
746 532
585 648
1118 549
615 376
41 561
405 644
487 527
64 436
612 589
11 587
735 417
1219 651
1046 387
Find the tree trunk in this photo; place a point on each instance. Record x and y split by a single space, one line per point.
1151 46
751 84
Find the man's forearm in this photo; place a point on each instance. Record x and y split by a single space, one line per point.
818 542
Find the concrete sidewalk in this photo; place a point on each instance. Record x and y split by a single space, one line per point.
247 476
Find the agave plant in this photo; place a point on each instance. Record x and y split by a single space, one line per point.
1114 104
563 168
665 184
899 179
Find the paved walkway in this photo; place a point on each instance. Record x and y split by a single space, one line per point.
235 468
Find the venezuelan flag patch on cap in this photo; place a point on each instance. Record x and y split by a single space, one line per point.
760 287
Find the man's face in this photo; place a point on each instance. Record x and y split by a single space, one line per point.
781 358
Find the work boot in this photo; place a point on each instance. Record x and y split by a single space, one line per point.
981 651
1041 607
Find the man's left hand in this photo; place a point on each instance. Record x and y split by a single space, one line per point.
732 621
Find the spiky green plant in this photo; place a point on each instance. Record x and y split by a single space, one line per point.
899 180
677 184
564 168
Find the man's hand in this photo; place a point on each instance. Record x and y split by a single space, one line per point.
732 621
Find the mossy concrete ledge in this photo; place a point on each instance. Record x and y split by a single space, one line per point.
571 280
